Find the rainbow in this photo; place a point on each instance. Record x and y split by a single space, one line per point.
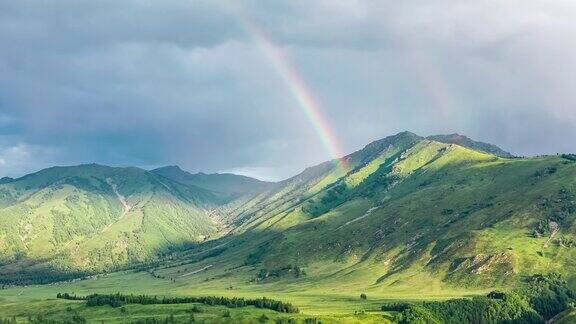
295 83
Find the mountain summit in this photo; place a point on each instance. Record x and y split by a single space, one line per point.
6 180
471 144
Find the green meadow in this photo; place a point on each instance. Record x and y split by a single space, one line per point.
321 303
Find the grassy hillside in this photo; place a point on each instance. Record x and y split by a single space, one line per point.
405 212
317 181
92 218
427 208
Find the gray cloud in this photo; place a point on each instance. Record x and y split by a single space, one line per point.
180 82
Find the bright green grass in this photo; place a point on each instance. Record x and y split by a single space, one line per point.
60 310
325 305
313 296
567 317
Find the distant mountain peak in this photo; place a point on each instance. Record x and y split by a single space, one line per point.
407 139
228 184
467 142
378 146
6 180
170 167
406 133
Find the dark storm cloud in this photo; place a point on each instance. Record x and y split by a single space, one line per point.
180 82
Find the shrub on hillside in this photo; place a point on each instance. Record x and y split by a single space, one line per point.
571 157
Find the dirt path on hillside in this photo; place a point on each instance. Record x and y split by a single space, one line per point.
555 229
197 271
126 207
366 214
28 228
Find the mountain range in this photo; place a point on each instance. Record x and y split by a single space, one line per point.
401 210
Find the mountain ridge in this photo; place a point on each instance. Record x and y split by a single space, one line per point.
6 180
413 201
232 186
465 141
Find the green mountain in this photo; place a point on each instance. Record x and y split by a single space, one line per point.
6 180
407 208
94 218
229 186
404 218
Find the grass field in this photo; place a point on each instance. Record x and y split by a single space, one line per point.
336 304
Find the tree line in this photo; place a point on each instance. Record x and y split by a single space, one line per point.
117 300
540 298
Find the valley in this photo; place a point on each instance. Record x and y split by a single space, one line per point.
405 219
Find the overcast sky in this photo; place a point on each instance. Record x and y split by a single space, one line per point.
151 83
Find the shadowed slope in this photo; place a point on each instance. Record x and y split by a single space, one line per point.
229 186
